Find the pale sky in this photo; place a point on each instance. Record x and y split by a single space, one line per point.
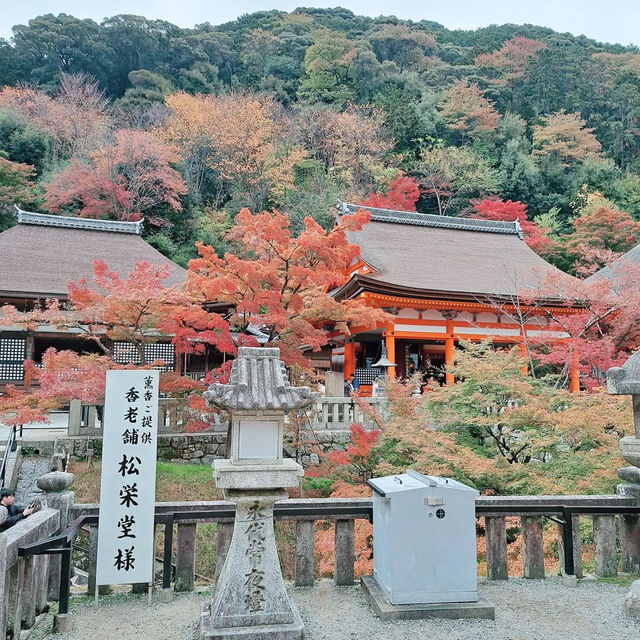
610 21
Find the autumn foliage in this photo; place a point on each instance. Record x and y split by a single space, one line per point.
121 180
401 195
536 237
280 283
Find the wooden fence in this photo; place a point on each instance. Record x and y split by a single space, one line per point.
492 513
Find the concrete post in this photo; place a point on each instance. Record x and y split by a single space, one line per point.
577 547
604 536
630 543
223 540
344 559
305 539
185 557
532 548
75 417
496 541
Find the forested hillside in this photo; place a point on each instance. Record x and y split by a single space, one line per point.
135 117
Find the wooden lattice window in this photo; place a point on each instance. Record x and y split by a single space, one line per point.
125 352
12 353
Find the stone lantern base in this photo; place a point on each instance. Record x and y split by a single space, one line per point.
250 600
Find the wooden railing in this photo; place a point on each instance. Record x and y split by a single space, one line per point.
491 512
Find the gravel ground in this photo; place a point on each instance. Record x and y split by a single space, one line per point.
525 610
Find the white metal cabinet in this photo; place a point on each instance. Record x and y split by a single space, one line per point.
424 539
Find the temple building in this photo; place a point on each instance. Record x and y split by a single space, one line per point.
444 279
40 255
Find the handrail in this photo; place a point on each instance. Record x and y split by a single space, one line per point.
10 446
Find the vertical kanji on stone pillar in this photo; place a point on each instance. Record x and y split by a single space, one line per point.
250 600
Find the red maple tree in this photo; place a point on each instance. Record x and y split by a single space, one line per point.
122 180
278 284
536 237
402 195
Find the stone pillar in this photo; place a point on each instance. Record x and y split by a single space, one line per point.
305 561
29 600
532 548
577 547
55 485
604 536
496 541
185 557
629 527
344 558
223 542
75 417
250 591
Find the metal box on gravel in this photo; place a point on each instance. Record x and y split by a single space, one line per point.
424 539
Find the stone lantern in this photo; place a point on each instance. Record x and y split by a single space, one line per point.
625 380
250 600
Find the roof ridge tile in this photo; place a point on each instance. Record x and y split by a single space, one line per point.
71 222
431 220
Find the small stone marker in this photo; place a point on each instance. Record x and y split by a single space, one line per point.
625 380
250 600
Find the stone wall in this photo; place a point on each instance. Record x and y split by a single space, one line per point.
196 448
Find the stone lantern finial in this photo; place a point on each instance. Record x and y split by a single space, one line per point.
258 380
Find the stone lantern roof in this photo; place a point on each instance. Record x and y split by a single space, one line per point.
258 381
625 380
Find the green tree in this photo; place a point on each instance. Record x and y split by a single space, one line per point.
328 66
22 142
451 176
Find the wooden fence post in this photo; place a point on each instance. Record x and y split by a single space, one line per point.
577 547
343 570
496 539
604 536
532 548
223 540
185 557
305 540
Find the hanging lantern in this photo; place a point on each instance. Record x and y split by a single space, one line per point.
383 362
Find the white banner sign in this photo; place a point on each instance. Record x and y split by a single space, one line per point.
128 480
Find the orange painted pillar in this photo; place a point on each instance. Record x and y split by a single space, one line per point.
349 358
390 345
449 346
448 359
525 356
574 373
